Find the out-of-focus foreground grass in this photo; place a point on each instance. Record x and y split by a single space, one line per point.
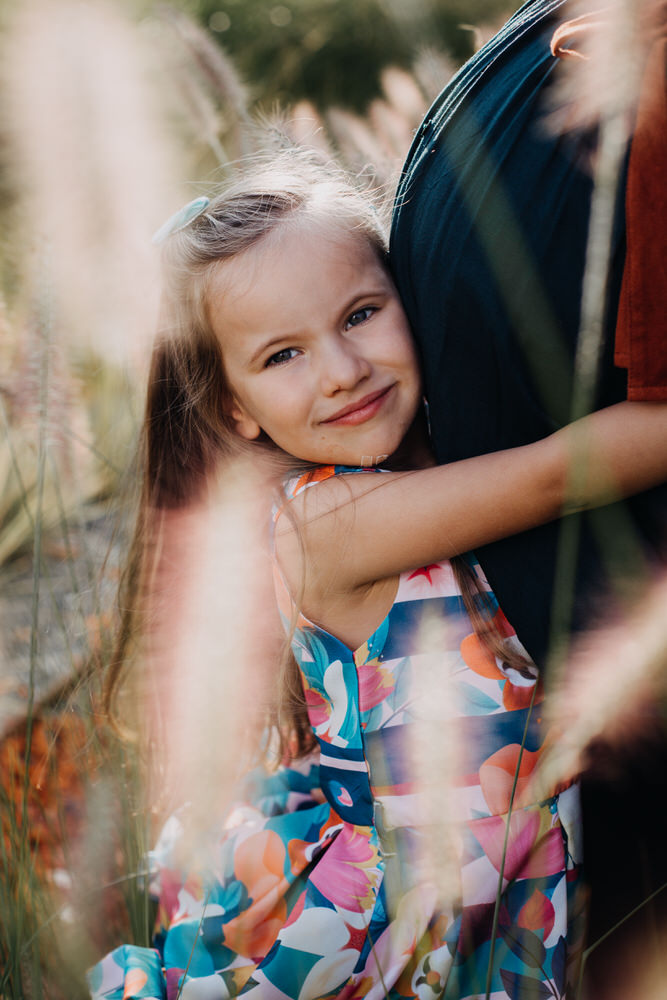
117 114
109 107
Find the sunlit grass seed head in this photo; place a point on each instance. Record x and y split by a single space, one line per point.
612 683
92 164
600 66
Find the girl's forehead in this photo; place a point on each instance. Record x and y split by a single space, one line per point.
321 238
319 229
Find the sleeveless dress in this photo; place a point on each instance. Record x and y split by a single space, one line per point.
330 878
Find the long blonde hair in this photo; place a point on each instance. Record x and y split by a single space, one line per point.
188 432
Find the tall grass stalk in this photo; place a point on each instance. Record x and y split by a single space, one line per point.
614 671
503 858
45 329
218 107
612 930
212 75
609 162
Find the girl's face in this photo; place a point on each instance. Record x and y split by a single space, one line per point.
317 348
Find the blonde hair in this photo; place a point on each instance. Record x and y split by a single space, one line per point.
188 430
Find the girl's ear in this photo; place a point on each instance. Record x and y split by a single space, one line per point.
244 425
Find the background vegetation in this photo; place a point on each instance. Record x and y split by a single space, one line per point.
332 52
116 112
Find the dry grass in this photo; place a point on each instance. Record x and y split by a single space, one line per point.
97 143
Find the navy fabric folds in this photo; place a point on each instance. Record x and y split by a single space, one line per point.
487 248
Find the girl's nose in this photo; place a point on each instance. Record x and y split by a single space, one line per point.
343 368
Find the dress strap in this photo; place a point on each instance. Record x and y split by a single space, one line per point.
295 485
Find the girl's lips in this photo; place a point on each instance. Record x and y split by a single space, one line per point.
363 410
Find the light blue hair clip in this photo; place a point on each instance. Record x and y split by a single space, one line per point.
182 218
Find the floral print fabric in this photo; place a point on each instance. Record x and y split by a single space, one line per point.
317 891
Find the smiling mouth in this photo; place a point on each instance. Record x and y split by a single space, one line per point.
364 409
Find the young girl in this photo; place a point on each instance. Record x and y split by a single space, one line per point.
285 335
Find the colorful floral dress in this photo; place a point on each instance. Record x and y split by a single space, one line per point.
323 886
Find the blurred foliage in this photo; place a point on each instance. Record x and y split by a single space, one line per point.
331 52
72 816
71 883
74 822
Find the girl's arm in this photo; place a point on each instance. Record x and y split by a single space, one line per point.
355 530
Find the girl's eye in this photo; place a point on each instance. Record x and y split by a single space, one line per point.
360 316
280 357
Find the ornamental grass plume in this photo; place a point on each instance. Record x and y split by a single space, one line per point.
601 52
43 394
596 88
205 667
210 87
614 680
392 129
89 171
306 127
404 95
356 140
432 69
91 166
436 756
607 717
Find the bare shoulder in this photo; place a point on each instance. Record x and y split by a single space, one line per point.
320 537
337 494
317 544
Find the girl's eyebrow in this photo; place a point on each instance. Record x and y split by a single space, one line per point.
363 293
266 345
